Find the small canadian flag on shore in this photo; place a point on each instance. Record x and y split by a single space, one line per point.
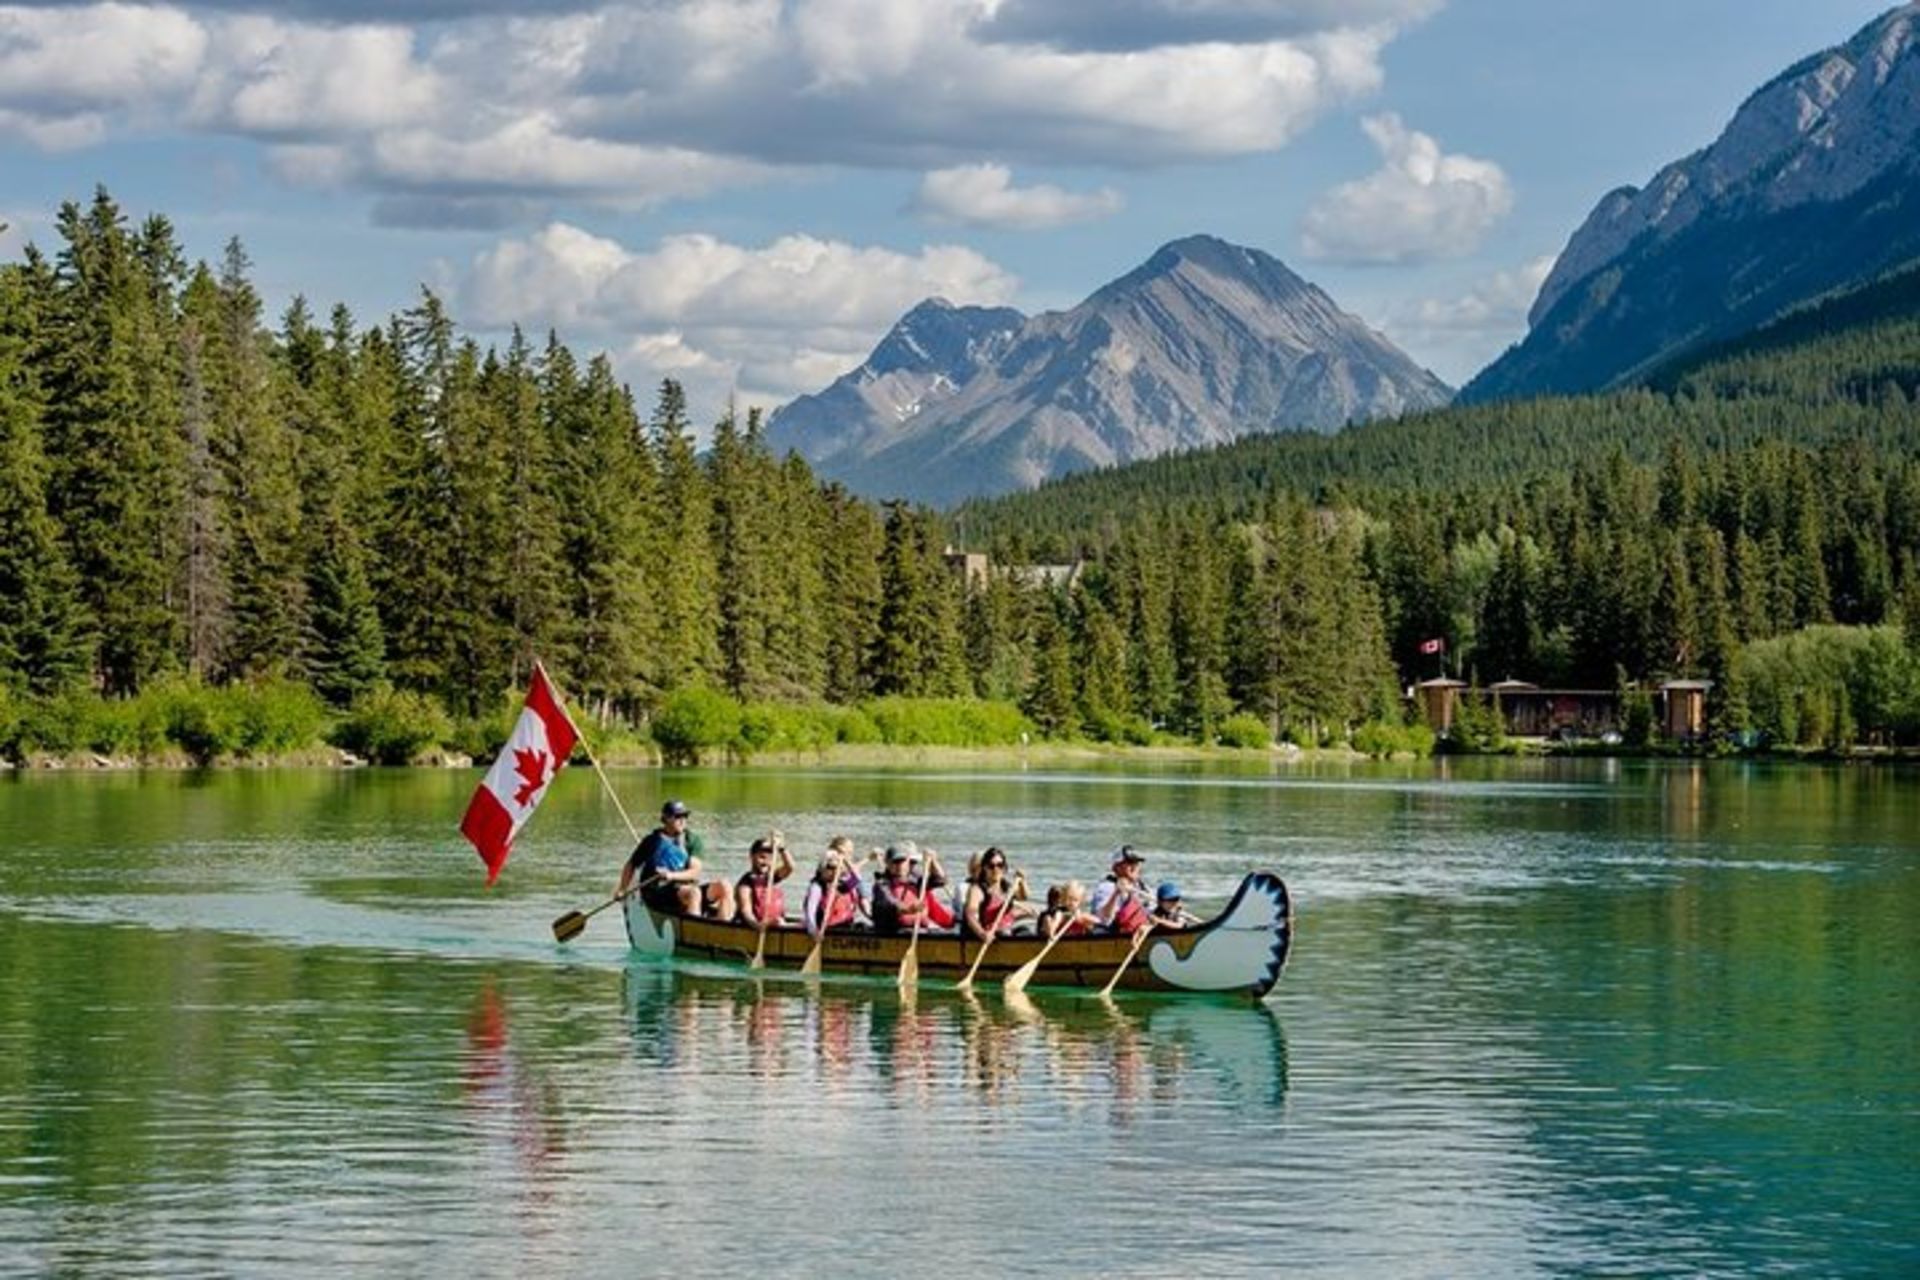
507 796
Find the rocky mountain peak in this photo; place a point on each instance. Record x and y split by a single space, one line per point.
1203 342
1820 131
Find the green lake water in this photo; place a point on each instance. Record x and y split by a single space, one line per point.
1541 1018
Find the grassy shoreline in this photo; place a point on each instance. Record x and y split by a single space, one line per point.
837 756
879 755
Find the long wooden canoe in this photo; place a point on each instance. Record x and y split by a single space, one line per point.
1242 949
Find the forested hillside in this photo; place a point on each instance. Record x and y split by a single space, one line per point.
194 497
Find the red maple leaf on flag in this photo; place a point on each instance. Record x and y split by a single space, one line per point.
532 766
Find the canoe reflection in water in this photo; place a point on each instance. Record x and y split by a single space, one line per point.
700 1031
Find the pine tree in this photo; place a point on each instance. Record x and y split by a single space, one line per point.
414 559
682 647
110 382
44 644
1105 698
620 612
1508 640
1050 702
795 523
901 654
204 585
1200 634
742 560
257 455
851 585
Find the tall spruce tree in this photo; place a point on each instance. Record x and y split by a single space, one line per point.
619 612
258 456
682 646
44 644
111 432
852 589
414 559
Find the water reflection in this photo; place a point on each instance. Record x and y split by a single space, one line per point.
512 1099
979 1053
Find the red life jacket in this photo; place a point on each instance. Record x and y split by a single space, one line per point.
996 913
769 900
836 901
1131 915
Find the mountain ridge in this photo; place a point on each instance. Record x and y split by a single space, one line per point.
1203 342
1813 186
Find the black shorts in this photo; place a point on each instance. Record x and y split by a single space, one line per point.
662 895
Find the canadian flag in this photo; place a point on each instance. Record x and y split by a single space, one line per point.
539 747
1432 646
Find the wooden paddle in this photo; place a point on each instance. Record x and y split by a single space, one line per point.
759 960
966 983
1017 980
1139 940
811 965
571 925
910 962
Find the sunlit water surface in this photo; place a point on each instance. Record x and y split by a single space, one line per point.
1541 1018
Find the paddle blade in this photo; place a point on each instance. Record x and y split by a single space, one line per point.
910 969
811 965
1017 980
569 926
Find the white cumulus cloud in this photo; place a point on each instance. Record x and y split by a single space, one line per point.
1420 205
457 106
983 195
770 321
1459 335
62 69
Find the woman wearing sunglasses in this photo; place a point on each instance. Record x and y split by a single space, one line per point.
995 901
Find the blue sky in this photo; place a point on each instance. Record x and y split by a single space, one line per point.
744 194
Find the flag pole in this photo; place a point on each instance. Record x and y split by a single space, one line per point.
594 761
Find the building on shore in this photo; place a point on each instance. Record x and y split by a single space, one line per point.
1529 711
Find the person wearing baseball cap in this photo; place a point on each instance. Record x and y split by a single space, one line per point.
1168 911
757 897
899 894
1120 901
667 861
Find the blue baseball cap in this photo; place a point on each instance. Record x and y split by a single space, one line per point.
1167 892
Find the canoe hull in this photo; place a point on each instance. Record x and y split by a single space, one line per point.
1243 949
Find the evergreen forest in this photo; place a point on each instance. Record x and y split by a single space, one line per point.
233 532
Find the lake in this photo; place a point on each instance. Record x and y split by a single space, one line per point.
1541 1017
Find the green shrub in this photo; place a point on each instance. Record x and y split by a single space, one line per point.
205 723
1382 738
480 737
1637 715
784 726
1248 732
277 716
1479 726
1111 726
1831 686
392 726
857 727
59 725
694 720
947 722
9 724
